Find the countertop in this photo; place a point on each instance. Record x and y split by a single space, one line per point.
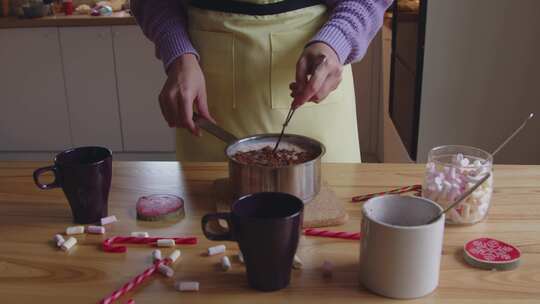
32 269
119 18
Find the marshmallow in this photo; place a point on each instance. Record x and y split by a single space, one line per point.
156 255
241 257
225 263
174 255
445 183
69 243
165 270
166 243
95 229
297 263
140 234
75 230
216 250
58 240
327 268
108 220
186 286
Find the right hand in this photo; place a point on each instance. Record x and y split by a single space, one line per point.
184 88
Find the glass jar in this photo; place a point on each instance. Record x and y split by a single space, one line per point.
452 170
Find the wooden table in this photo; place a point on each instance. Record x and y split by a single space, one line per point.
32 270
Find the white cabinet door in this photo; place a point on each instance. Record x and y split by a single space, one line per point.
33 110
140 78
87 54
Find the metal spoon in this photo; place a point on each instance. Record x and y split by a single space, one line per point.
287 119
322 59
507 140
480 182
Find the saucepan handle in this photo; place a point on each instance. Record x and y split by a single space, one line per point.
225 236
213 129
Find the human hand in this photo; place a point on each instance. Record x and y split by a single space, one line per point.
184 88
318 72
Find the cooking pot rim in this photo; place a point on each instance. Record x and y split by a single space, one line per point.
267 135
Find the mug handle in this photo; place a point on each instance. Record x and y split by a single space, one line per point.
226 236
54 184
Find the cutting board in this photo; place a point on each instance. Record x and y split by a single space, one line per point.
324 210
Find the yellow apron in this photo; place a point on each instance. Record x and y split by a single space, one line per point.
248 63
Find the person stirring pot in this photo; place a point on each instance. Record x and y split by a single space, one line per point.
238 63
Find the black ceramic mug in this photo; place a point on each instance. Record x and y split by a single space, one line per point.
267 227
85 176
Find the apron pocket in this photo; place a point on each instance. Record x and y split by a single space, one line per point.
216 50
286 48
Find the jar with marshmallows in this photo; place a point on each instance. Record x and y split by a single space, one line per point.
452 170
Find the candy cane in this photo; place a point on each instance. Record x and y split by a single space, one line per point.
136 281
333 234
414 188
108 243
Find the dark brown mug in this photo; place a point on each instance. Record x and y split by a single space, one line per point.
85 176
266 226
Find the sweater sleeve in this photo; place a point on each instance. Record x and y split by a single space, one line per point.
351 26
164 23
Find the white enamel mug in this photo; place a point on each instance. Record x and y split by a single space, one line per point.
400 256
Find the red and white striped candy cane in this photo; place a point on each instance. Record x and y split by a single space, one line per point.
333 234
414 188
136 281
108 244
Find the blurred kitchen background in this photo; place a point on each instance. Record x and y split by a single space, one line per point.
439 72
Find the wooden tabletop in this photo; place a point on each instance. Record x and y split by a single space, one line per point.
118 18
33 270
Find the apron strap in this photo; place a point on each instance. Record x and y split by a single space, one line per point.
247 8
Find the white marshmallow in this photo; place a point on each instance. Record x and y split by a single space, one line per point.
75 230
69 243
456 159
108 220
464 162
156 255
466 211
216 250
140 234
297 263
241 257
165 270
187 286
58 240
174 255
225 263
95 229
166 243
327 268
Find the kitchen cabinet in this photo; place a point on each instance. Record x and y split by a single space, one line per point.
90 81
33 108
140 77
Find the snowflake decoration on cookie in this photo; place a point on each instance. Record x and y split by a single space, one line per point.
491 250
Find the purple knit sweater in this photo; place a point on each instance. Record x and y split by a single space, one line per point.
350 29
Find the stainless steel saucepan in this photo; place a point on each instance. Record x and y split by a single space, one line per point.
302 180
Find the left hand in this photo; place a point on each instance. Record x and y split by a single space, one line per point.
318 72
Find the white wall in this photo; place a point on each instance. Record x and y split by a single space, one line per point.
482 76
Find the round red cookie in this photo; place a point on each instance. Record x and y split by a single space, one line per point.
489 253
158 207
